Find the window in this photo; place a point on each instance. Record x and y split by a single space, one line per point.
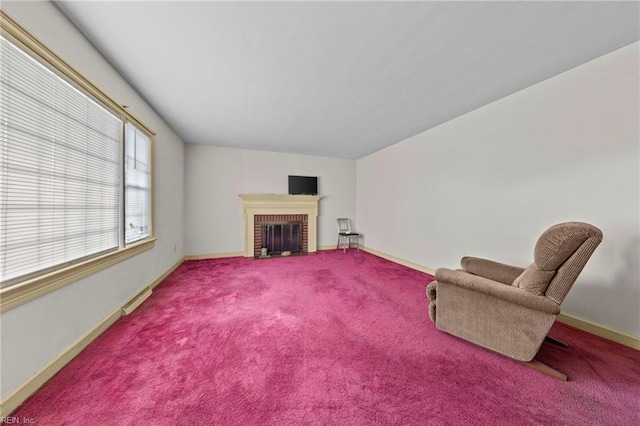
137 187
75 173
59 171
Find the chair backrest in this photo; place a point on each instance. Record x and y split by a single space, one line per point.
565 248
344 225
560 254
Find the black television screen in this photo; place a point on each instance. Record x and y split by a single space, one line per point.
307 185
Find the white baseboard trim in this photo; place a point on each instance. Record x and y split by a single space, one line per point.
400 261
39 378
600 330
214 255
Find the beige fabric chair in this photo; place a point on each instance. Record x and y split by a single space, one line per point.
509 309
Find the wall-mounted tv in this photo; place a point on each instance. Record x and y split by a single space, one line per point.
307 185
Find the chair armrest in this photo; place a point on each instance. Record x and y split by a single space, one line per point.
495 271
498 290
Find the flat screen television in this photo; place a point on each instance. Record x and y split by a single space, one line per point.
307 185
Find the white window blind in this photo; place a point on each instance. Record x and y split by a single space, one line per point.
137 187
60 170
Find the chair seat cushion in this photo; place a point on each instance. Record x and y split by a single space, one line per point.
534 280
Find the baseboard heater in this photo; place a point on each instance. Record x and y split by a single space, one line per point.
136 301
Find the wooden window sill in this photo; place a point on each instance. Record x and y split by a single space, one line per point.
29 290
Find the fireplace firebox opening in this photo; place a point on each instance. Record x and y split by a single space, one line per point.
281 237
280 234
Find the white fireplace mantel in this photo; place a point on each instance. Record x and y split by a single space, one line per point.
254 204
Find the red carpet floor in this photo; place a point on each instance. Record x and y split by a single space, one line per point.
327 339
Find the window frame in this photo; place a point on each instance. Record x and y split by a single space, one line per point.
151 137
47 282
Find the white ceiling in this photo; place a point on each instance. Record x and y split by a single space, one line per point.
340 79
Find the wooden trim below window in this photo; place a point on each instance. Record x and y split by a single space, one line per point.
27 291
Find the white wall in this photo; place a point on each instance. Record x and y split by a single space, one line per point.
35 333
215 176
489 182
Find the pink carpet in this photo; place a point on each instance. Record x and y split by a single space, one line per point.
327 339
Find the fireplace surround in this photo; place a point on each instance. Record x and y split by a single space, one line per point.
273 208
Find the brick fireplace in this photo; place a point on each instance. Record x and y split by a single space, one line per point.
261 209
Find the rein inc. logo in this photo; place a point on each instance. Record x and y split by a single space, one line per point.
17 421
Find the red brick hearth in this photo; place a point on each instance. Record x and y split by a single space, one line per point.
260 219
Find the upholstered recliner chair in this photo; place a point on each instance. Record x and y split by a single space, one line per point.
509 309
